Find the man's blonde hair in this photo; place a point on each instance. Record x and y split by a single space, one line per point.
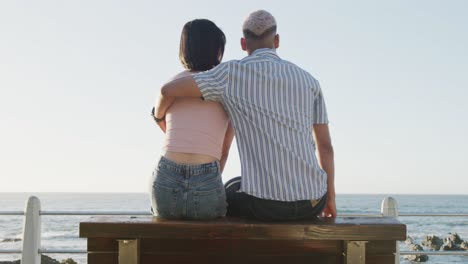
259 24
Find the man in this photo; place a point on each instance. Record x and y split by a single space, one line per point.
274 107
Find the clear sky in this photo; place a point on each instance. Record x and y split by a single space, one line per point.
78 79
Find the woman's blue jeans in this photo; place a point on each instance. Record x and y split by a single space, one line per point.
182 191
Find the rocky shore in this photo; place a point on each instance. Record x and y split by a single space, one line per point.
44 260
434 243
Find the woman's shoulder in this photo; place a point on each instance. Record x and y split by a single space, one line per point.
182 74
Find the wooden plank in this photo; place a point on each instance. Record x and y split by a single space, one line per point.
240 241
386 247
361 229
102 244
354 232
239 247
177 259
380 259
222 247
112 258
103 258
381 252
240 221
375 251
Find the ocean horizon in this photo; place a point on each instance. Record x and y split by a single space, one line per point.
62 231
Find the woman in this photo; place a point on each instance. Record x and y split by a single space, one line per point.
187 180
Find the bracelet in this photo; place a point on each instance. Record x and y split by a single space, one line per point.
157 119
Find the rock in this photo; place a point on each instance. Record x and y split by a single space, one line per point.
68 261
11 240
450 245
416 247
455 238
409 240
416 258
432 242
48 260
464 245
44 260
10 262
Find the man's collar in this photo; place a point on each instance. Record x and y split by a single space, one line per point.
264 51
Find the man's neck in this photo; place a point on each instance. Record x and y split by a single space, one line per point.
250 51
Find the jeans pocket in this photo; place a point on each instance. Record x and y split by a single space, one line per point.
165 200
209 204
309 211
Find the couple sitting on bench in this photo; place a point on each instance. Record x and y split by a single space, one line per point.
276 111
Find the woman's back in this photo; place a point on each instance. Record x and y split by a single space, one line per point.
195 130
197 127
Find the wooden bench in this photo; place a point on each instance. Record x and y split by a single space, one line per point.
144 240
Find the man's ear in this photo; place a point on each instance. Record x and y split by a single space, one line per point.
243 44
277 40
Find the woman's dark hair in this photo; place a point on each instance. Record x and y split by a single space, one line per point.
201 45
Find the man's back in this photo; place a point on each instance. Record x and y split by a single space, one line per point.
272 104
275 108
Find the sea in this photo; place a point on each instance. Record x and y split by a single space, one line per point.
62 231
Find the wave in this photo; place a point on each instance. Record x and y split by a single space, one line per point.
11 240
65 234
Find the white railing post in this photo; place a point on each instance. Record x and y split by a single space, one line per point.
390 208
32 232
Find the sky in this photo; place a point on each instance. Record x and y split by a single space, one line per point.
79 78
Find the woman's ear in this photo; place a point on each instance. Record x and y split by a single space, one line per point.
243 44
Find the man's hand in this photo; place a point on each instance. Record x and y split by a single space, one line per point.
330 209
326 159
181 87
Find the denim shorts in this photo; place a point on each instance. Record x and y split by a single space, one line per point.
182 191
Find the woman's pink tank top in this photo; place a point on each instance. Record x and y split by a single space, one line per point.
195 126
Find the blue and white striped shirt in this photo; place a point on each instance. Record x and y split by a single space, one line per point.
272 105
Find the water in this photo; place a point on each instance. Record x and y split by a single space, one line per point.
62 231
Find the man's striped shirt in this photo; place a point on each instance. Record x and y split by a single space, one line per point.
272 105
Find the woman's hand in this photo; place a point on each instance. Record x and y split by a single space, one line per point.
160 122
163 103
162 125
228 137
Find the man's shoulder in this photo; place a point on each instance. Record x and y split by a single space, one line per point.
251 59
230 62
218 69
300 70
226 65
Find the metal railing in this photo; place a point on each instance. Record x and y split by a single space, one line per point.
31 248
